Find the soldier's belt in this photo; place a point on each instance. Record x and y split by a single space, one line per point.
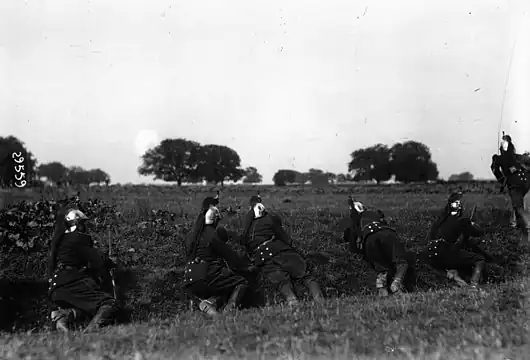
372 227
62 267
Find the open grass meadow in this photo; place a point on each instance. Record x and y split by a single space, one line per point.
437 322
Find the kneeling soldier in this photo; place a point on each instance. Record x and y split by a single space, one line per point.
446 252
72 286
207 276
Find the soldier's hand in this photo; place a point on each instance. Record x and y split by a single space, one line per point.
252 269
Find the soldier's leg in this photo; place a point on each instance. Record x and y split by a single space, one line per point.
521 216
526 215
400 259
273 271
296 266
467 259
225 281
86 296
381 283
255 295
200 292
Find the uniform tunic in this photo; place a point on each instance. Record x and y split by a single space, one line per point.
382 248
445 252
72 284
219 279
270 246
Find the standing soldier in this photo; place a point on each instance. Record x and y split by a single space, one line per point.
207 276
370 236
510 173
271 249
446 252
72 288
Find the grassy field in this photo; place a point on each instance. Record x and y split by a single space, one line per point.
438 322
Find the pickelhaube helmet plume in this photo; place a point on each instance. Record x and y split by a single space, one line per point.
255 199
210 201
356 205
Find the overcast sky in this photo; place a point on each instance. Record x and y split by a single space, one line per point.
287 84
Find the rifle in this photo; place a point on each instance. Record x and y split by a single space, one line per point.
473 212
111 271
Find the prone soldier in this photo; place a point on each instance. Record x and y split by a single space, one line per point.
207 275
271 250
73 288
446 252
370 236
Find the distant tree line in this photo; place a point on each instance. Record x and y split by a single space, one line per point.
185 161
408 162
54 172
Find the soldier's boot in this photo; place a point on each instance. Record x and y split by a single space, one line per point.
63 319
235 298
380 284
477 272
287 291
104 316
513 219
314 290
397 284
208 306
453 275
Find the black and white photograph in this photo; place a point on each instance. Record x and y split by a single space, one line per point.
250 179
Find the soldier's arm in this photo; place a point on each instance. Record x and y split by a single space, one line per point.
471 229
496 170
97 260
226 252
280 232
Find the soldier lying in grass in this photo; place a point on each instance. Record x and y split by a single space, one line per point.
370 236
446 252
271 249
207 275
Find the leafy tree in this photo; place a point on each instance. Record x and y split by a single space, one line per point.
300 178
76 175
284 176
371 163
53 171
252 176
465 176
331 176
341 178
218 163
411 161
9 168
98 176
318 177
172 160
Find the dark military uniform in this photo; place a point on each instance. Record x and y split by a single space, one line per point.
73 272
207 275
509 172
242 265
380 245
72 285
446 252
269 246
